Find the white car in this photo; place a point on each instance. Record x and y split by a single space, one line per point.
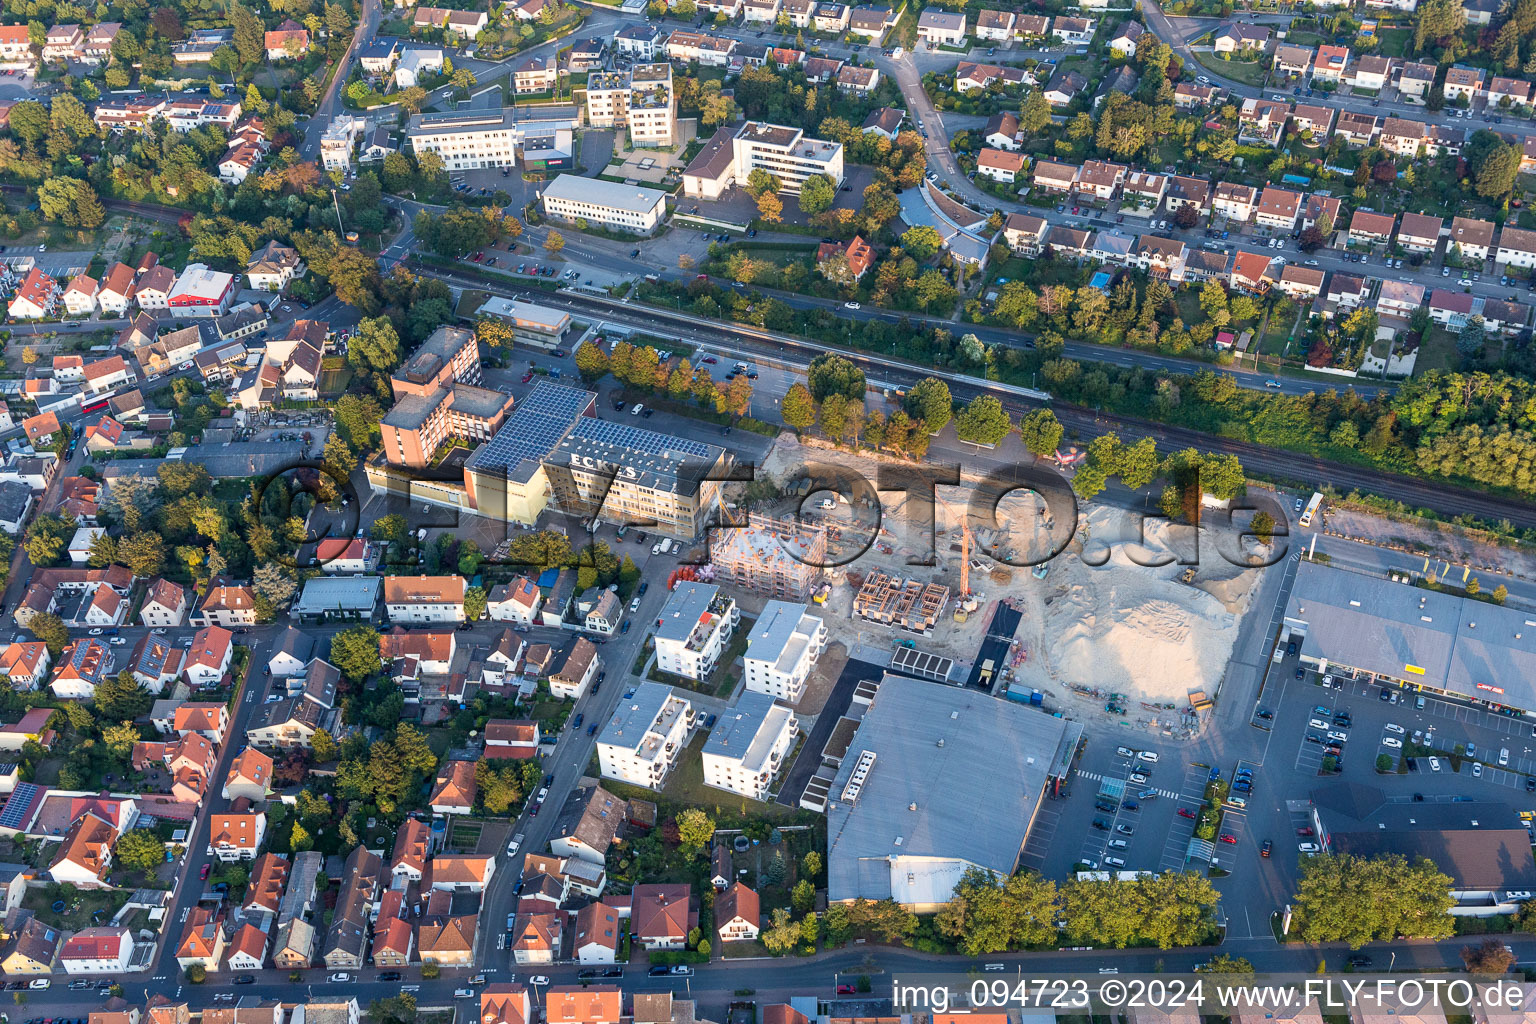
39 983
538 979
1477 769
340 976
1434 764
542 794
1149 756
634 605
1392 741
117 641
1393 727
1138 778
1308 847
1317 723
850 305
1337 736
1125 751
96 631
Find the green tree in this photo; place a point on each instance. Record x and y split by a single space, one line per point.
987 915
338 457
803 896
798 408
375 347
357 418
1035 114
922 242
781 934
1491 956
695 829
983 421
817 194
121 697
139 850
1263 526
1343 898
1225 963
474 603
831 374
591 361
355 652
554 242
50 629
929 400
1041 432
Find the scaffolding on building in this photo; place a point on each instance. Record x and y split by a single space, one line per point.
783 558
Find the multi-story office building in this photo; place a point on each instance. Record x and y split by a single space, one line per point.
784 645
694 628
746 748
532 324
613 204
641 100
645 736
783 152
436 398
486 138
623 474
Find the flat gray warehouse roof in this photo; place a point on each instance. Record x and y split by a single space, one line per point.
1473 648
956 780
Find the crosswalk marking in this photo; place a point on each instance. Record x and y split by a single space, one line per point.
1130 786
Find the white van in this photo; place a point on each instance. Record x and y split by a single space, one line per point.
1118 844
639 407
1114 862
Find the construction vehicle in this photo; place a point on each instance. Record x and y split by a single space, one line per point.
1188 575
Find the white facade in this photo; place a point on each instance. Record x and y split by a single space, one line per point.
626 207
646 736
784 645
748 745
694 628
785 153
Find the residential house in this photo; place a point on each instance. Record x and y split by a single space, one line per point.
425 598
37 296
80 297
995 26
85 856
511 739
1292 60
1463 83
738 914
1185 191
288 41
25 664
1415 80
250 776
1074 31
1055 177
1451 310
1402 137
1025 233
1419 232
97 951
1357 129
1260 120
1471 238
1303 284
248 949
999 164
273 266
236 836
587 825
1064 86
577 666
1368 228
1098 179
1399 298
1517 247
1126 37
31 948
455 788
1329 63
1369 73
165 603
660 915
1237 37
1233 201
1278 209
595 934
938 27
1508 92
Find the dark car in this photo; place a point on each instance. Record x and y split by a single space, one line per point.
1265 713
1105 806
1313 737
390 976
549 780
1290 649
559 353
1264 850
1385 696
245 979
624 628
644 586
640 539
1131 805
709 723
1359 960
576 723
661 972
1530 783
592 729
1101 824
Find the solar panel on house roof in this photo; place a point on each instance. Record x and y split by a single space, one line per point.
14 816
639 440
535 426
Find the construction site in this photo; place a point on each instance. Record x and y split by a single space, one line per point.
1114 625
783 559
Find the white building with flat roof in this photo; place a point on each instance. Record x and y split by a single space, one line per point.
609 203
748 745
785 153
783 646
694 628
486 138
645 737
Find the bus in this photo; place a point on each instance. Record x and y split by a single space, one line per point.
1312 507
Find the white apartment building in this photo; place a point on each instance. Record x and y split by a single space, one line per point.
746 749
339 141
641 100
784 645
694 628
610 203
645 736
785 153
424 598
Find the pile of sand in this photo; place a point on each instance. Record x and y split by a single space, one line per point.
1121 634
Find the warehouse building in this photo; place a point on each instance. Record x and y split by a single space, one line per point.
1350 623
918 798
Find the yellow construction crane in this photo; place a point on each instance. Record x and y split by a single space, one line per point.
965 603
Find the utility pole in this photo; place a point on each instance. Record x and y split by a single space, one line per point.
337 204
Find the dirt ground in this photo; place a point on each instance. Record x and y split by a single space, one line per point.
1107 618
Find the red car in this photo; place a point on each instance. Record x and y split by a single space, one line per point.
845 990
1304 832
709 359
1185 812
527 377
1228 837
203 872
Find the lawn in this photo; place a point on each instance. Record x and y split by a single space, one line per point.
1248 72
83 907
465 835
1394 41
1437 352
335 375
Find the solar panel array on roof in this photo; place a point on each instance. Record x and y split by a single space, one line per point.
535 426
641 441
19 807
